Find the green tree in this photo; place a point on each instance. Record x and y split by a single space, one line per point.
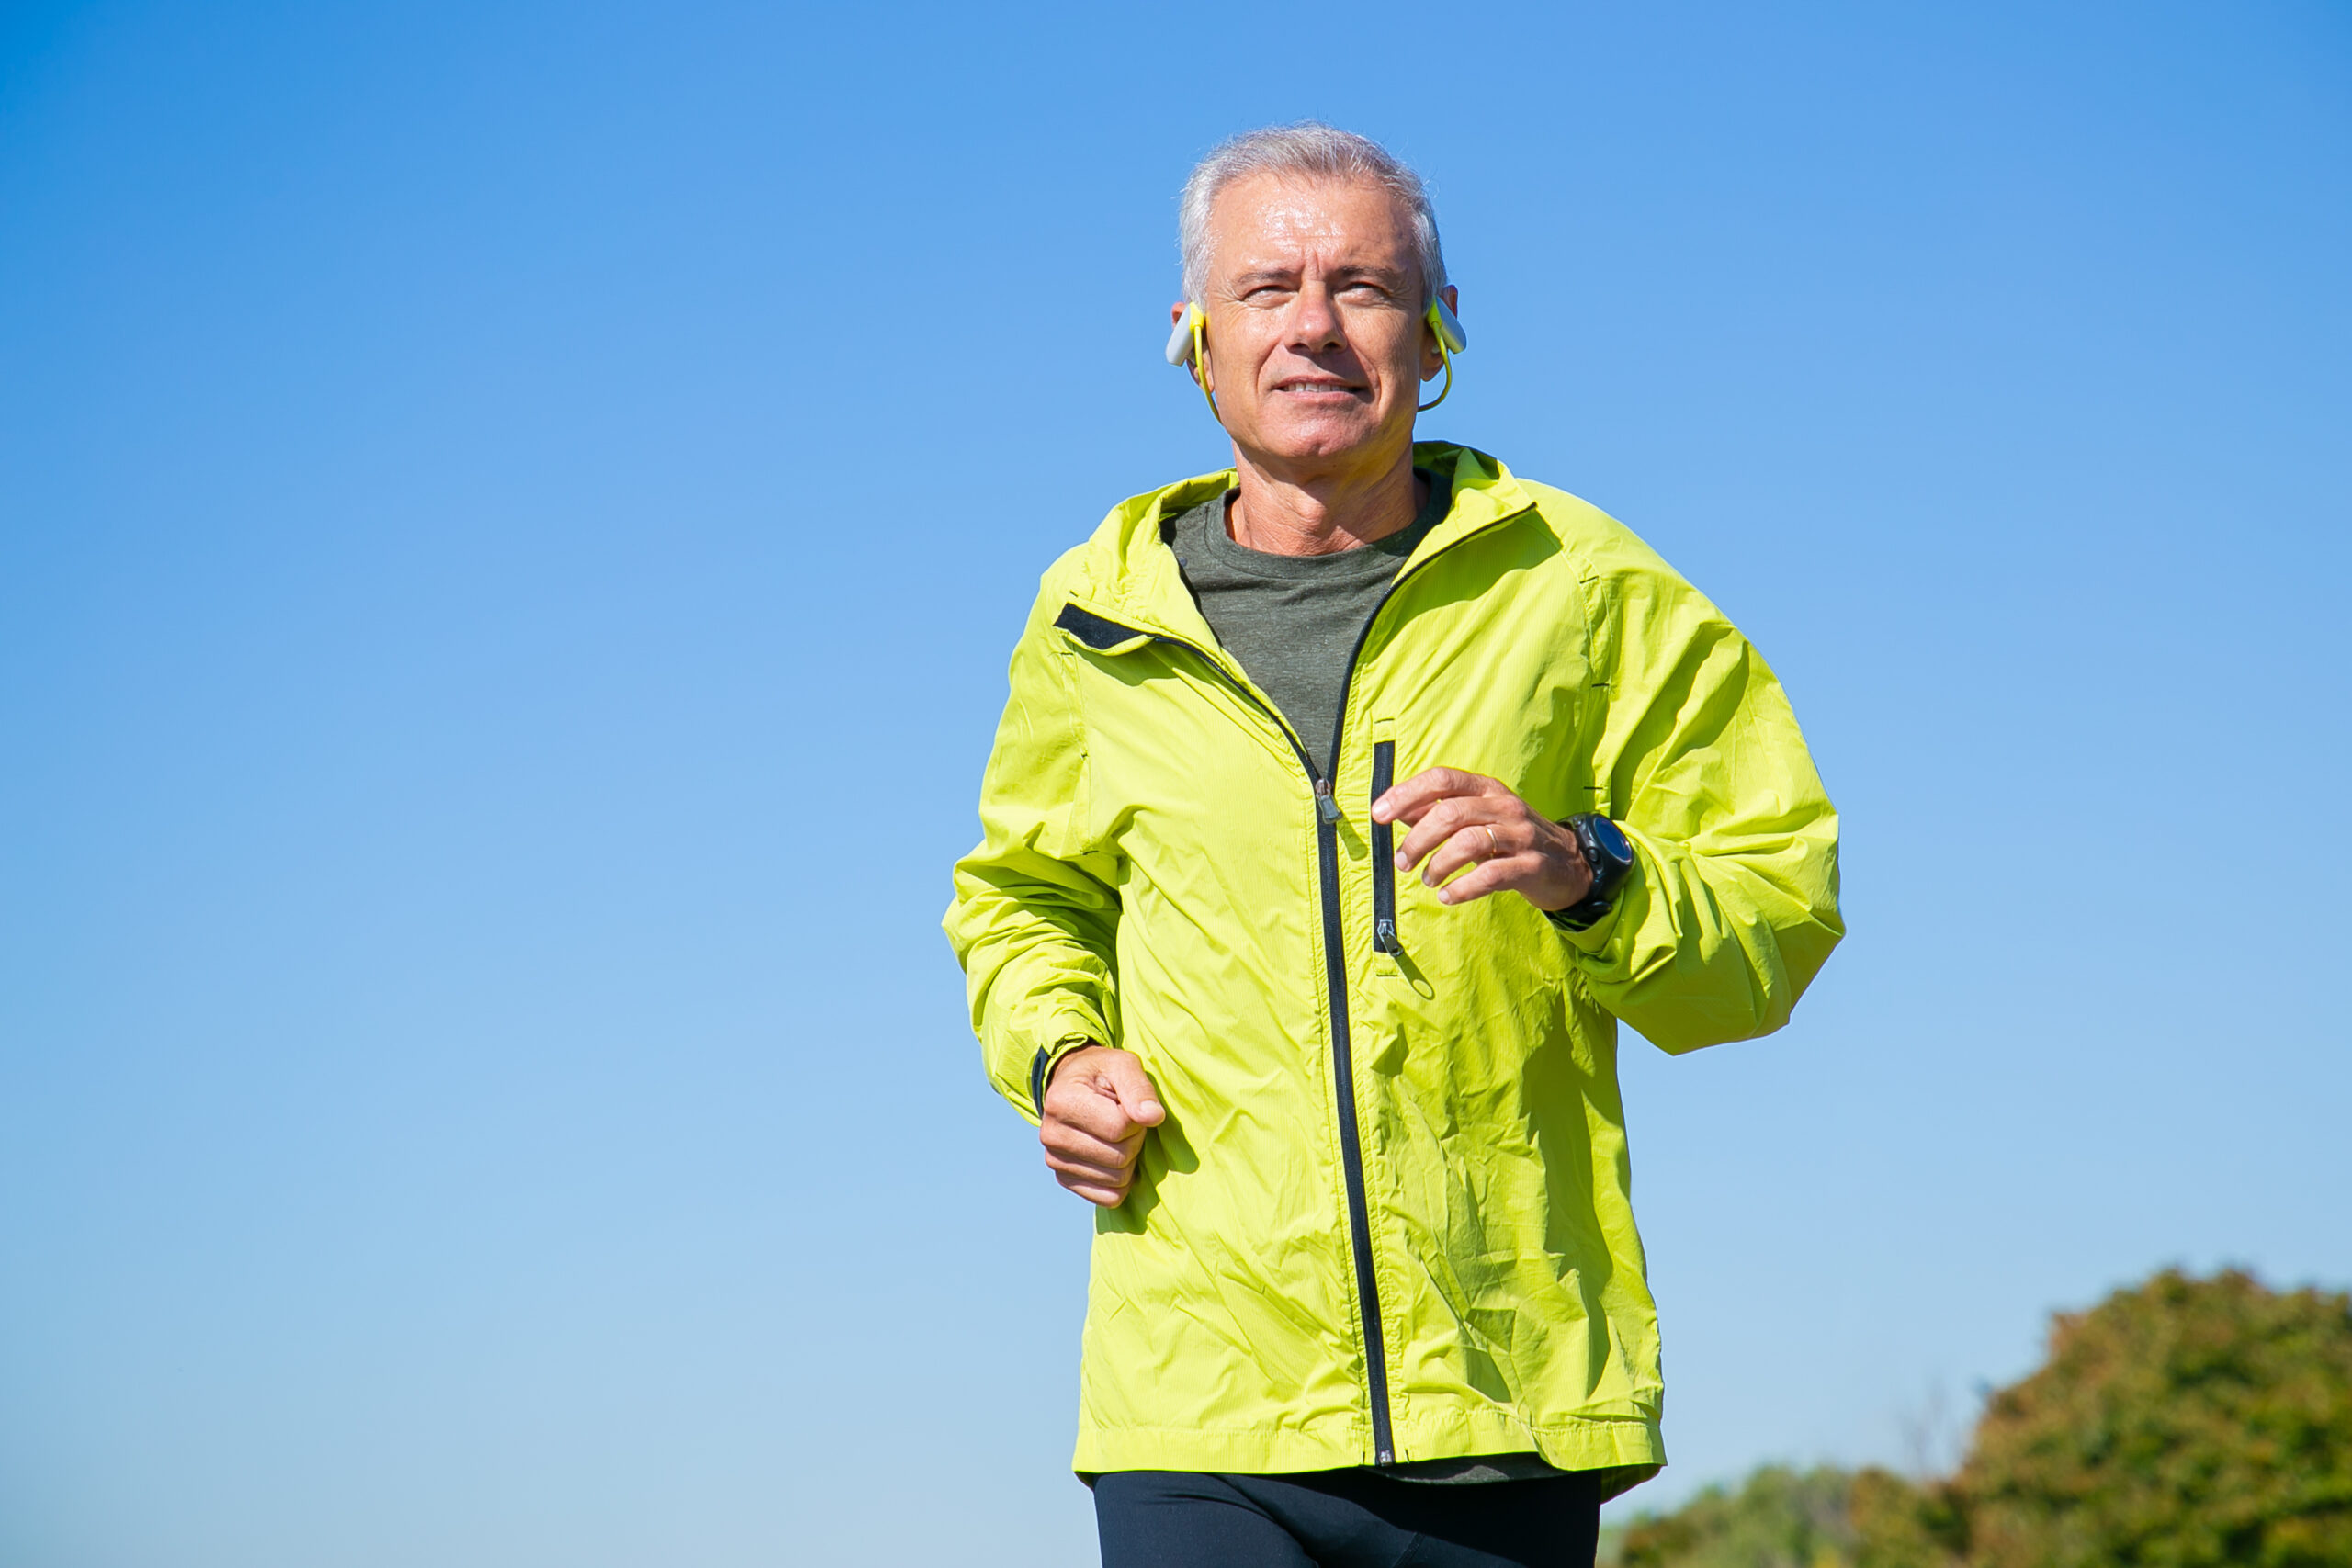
2182 1424
1779 1519
1898 1525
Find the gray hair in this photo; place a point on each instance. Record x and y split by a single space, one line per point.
1308 150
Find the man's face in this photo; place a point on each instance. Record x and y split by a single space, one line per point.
1316 348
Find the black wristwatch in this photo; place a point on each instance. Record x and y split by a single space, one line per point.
1609 855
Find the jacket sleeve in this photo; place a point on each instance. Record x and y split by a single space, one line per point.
1734 907
1035 911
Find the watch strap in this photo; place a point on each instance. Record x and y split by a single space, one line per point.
1609 871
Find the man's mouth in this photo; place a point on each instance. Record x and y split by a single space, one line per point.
1307 387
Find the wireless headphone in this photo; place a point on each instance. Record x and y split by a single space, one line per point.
1185 346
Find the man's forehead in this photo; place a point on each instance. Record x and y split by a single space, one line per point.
1270 217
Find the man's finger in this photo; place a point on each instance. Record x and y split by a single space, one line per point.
1124 1077
1070 1142
1103 1197
1068 1135
1105 1091
1447 821
1069 1170
1095 1188
1467 848
1407 801
1493 877
1438 822
1096 1113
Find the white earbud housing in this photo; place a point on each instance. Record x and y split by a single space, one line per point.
1179 341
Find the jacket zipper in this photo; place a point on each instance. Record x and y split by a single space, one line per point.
1343 1075
1383 874
1335 966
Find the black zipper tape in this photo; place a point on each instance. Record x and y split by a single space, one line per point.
1100 634
1343 1080
1384 856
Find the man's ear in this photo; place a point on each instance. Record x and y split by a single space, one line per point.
1432 354
1182 342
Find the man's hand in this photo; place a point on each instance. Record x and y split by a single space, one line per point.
1468 820
1097 1107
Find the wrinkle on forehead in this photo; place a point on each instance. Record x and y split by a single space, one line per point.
1268 222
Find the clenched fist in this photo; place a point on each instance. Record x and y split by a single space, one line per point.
1098 1105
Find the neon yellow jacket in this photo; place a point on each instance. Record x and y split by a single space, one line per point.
1386 1219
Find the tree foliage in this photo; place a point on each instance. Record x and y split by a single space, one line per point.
2184 1422
1781 1518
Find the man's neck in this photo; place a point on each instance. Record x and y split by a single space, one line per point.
1321 514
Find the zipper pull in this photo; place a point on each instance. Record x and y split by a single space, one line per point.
1325 807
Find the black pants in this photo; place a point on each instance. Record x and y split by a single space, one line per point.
1342 1518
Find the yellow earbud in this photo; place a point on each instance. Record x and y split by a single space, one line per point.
1449 338
1200 322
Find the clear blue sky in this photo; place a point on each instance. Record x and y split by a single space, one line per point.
511 521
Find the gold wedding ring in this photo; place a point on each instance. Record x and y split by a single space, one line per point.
1493 847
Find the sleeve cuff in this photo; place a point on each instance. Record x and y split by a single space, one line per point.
1594 939
1589 938
1042 1064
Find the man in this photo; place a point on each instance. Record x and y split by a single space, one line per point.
1344 803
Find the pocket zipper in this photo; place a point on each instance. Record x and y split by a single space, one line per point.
1383 855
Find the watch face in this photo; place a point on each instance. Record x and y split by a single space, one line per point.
1613 841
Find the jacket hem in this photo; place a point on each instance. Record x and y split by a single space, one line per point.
1581 1443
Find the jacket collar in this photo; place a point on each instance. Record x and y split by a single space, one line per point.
1131 574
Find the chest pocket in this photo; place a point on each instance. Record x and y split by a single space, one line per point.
1384 940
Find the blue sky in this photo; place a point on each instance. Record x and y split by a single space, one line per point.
510 521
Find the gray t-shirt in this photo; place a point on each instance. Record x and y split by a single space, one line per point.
1292 622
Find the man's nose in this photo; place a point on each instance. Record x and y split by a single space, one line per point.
1313 324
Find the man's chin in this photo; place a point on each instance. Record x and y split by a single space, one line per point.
1313 436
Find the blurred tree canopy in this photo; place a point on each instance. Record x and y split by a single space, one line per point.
2180 1424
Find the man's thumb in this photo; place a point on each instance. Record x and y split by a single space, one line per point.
1137 1097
